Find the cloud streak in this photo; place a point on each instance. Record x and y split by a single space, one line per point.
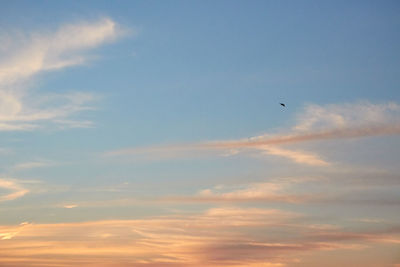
32 165
317 123
71 206
215 237
16 189
273 191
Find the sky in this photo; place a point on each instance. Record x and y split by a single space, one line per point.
150 133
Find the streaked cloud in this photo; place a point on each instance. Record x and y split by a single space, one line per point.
369 220
30 54
17 190
295 155
36 52
269 191
316 123
348 115
219 236
71 206
327 188
12 231
33 164
277 190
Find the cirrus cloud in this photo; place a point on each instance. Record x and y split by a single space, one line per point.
30 54
215 237
315 123
16 189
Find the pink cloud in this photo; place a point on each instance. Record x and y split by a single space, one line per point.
316 123
224 236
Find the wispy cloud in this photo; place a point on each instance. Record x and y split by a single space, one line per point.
36 52
31 54
349 115
12 231
316 123
369 220
17 190
277 190
71 206
215 237
33 164
295 155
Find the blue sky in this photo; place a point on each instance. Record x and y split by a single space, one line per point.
158 118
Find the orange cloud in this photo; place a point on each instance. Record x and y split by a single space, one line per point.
225 236
71 206
17 190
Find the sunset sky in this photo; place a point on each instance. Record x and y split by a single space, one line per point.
150 133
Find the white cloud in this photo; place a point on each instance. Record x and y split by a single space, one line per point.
40 52
27 55
349 115
274 191
297 156
316 123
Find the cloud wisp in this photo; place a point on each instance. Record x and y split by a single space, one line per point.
215 237
39 52
16 189
70 206
32 165
274 191
317 123
12 231
30 54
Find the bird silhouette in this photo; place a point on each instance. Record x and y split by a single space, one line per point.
283 105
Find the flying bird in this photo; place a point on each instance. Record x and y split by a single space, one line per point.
283 105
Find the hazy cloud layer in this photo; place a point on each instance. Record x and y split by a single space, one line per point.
216 237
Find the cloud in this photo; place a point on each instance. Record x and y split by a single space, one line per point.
38 52
12 185
32 165
222 236
13 231
30 54
388 235
71 206
258 191
349 115
276 190
327 190
368 220
174 240
316 123
295 155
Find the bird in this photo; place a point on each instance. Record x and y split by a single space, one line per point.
283 105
